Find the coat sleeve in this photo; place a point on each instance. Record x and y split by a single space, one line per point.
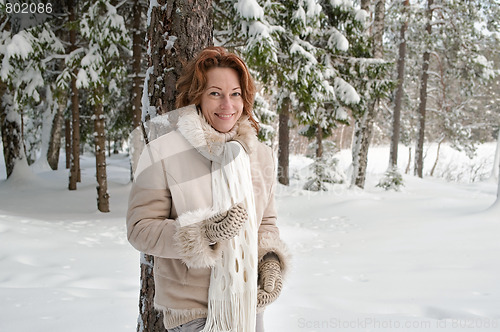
269 235
149 227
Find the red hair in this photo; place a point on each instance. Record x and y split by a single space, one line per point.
192 83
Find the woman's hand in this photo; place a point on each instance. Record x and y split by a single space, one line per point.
270 280
225 225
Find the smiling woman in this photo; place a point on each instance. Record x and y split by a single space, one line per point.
202 203
221 103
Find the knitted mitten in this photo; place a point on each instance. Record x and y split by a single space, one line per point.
225 225
270 281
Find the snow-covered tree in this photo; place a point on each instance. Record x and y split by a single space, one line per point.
265 117
27 102
325 169
101 70
291 47
365 69
460 54
455 70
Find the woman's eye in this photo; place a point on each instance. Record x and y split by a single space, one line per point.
236 94
214 93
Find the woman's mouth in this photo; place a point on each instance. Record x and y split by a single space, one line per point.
224 116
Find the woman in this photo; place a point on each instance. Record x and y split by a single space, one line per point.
202 203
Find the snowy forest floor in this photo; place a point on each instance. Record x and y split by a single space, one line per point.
423 259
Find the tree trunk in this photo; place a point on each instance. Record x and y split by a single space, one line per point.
10 127
67 142
378 29
365 5
137 44
55 138
361 144
396 120
419 150
364 128
319 142
108 145
437 157
75 109
100 158
495 170
284 142
409 161
498 189
178 31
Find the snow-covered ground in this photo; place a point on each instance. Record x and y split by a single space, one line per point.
423 259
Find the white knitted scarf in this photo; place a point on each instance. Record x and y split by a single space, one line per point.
232 295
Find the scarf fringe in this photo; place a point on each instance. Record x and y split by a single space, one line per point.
230 320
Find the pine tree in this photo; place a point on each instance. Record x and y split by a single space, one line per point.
26 56
101 70
290 47
454 68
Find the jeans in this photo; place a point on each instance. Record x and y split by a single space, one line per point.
198 324
192 326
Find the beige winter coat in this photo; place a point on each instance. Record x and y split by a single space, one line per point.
173 180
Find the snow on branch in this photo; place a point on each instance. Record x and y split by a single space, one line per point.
249 9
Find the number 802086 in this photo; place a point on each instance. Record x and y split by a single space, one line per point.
28 8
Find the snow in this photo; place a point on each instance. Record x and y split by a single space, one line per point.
152 4
423 259
147 109
249 9
20 46
338 41
346 92
82 80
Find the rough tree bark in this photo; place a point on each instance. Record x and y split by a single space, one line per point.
284 142
55 138
319 142
365 127
137 44
419 149
396 120
67 142
178 30
100 157
361 142
75 108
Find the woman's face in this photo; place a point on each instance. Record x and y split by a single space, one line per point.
221 102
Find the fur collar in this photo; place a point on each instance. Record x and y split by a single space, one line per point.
208 141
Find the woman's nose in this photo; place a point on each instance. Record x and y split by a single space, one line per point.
225 102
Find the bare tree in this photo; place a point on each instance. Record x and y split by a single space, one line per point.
396 120
419 150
